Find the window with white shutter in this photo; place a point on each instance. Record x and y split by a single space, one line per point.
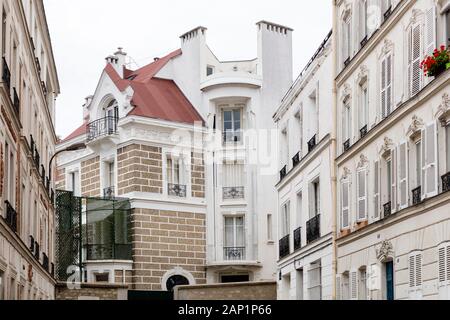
444 271
362 194
345 204
394 181
415 275
415 57
363 8
430 32
376 197
403 175
386 86
354 285
429 157
346 39
363 293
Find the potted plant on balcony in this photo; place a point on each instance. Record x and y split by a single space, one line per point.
435 65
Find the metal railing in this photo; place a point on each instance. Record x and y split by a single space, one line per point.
387 209
298 239
176 190
283 173
37 251
232 193
99 252
296 160
234 253
232 136
102 127
109 193
363 132
16 102
387 13
417 196
31 244
312 143
446 182
346 145
313 229
285 248
43 173
6 74
11 217
45 262
364 41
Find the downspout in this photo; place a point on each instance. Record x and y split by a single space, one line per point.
333 148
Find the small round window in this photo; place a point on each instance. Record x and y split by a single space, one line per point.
176 280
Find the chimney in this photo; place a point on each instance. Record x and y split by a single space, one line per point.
118 61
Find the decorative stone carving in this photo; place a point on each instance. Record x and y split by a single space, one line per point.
386 147
415 128
387 47
443 112
363 161
346 92
386 251
363 74
346 173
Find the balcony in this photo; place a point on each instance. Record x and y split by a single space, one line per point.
312 144
38 64
363 132
298 239
52 270
98 252
296 160
346 145
446 182
230 137
283 173
11 217
347 62
313 229
417 196
285 248
387 13
101 128
109 193
16 102
31 244
37 251
234 253
6 74
364 41
45 262
387 209
233 193
176 190
43 173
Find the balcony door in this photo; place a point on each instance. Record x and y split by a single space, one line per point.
234 246
389 285
112 116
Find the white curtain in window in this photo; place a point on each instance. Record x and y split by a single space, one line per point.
233 175
234 232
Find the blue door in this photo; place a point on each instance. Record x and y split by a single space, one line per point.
390 280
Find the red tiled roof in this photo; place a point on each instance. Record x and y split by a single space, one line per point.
153 97
78 132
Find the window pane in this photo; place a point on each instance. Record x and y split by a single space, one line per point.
227 116
237 119
389 180
419 164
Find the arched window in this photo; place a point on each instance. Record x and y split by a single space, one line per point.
176 280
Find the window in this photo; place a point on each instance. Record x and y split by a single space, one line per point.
403 168
345 204
389 179
209 70
102 277
429 161
299 121
269 228
362 194
234 278
314 205
285 145
363 21
315 281
377 192
418 171
111 174
363 292
346 39
345 286
346 123
444 271
234 233
415 275
232 125
447 137
9 176
415 57
299 209
285 220
2 285
175 176
176 280
233 181
364 106
386 86
112 114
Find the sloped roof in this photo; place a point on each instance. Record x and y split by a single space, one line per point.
153 97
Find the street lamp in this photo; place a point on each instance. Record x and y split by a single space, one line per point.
74 147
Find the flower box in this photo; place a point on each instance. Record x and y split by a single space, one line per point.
437 63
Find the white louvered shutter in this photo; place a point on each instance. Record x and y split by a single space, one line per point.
430 33
415 276
362 195
383 89
412 268
376 173
403 175
338 288
354 285
430 169
394 180
389 84
415 51
418 270
345 212
444 271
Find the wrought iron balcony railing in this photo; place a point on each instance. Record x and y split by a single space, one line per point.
99 252
312 143
283 173
52 269
285 248
38 64
417 196
16 102
232 193
346 145
364 41
296 160
52 196
387 209
234 253
45 262
387 13
43 173
363 132
11 217
37 251
313 229
177 190
347 62
298 239
109 193
232 136
446 182
31 244
6 74
102 127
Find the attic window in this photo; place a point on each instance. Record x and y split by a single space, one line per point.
209 70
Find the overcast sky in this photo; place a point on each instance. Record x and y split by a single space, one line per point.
84 32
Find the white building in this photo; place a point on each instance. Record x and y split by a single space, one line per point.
393 238
305 216
228 191
28 90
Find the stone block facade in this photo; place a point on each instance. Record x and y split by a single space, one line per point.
119 277
140 169
198 175
88 291
90 177
164 240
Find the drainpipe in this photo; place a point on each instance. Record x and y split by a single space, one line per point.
333 151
